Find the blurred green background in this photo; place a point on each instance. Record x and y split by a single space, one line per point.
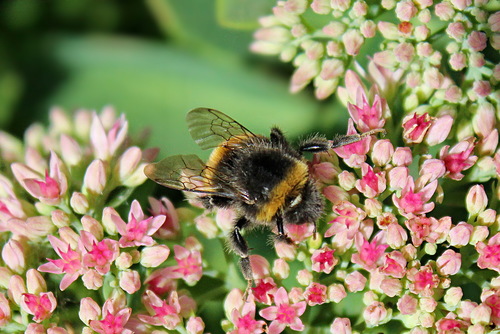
154 61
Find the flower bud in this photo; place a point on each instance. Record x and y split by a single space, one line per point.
353 41
355 281
481 315
124 261
92 280
449 263
107 220
402 156
439 130
336 293
487 217
130 281
79 203
195 325
382 152
304 277
281 269
13 254
347 180
476 200
95 178
70 150
460 234
341 326
154 256
92 226
453 296
16 289
89 310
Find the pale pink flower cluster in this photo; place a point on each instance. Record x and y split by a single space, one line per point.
323 37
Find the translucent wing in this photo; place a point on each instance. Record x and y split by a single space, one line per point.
184 172
210 127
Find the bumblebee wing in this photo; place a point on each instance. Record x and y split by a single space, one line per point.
210 127
184 172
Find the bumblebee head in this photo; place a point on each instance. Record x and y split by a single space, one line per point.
306 207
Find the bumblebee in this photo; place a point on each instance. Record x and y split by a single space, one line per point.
264 179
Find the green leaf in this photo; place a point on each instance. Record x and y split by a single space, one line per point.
156 85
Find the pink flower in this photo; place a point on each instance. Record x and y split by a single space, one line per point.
139 230
284 314
244 321
105 144
315 294
163 207
365 116
370 254
264 290
371 184
458 158
189 266
493 302
163 313
323 260
348 219
415 127
428 229
162 280
48 190
423 281
489 255
354 154
40 306
432 169
100 255
114 319
394 264
413 201
451 325
70 264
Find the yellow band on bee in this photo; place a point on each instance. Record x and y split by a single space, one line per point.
293 181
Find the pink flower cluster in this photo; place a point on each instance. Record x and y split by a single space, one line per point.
59 220
382 238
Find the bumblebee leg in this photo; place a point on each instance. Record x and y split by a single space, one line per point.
315 144
318 144
281 237
349 139
240 247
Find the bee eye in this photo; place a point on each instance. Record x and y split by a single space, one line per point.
296 201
